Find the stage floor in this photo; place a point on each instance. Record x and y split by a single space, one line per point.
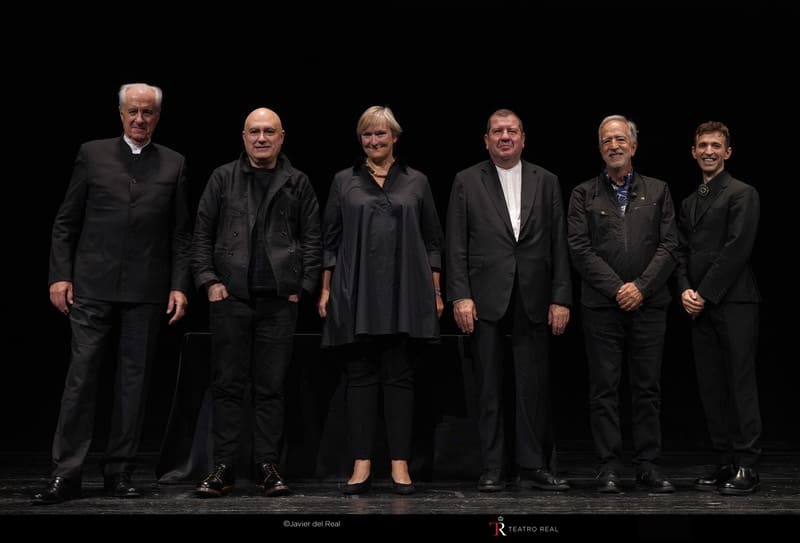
454 506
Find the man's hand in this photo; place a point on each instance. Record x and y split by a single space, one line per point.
692 302
61 296
177 305
629 297
465 314
557 318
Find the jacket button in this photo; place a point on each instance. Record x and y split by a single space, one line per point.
235 234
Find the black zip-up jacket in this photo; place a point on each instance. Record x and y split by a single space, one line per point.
609 249
226 216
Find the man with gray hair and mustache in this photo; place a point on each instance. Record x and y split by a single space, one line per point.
623 241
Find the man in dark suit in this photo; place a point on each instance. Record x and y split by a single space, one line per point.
623 240
508 267
119 259
718 225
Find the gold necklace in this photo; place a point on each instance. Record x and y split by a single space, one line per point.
375 173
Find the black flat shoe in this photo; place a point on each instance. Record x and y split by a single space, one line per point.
358 488
403 489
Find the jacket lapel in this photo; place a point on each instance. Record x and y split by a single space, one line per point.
530 185
701 207
491 182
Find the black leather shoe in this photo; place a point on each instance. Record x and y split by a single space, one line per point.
217 483
492 480
540 479
120 485
744 481
655 482
358 488
608 482
713 480
270 481
58 490
403 489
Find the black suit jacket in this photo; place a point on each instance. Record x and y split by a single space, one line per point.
482 255
717 238
123 231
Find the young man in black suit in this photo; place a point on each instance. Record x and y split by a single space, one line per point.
718 226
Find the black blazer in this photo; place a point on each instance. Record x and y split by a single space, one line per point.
123 231
717 238
482 255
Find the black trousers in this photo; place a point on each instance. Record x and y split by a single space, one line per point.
530 352
251 342
725 340
93 323
375 364
610 335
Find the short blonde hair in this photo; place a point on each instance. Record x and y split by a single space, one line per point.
378 115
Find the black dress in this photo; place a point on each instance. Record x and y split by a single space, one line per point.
382 243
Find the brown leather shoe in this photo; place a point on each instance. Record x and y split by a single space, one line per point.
270 481
217 483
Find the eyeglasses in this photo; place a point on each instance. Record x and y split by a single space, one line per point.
379 134
255 133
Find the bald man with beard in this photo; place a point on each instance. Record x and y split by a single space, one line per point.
256 251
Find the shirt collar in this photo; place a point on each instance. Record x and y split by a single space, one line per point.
627 179
135 147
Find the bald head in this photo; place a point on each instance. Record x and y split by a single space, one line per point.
262 114
263 137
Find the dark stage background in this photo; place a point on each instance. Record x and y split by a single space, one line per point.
666 70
